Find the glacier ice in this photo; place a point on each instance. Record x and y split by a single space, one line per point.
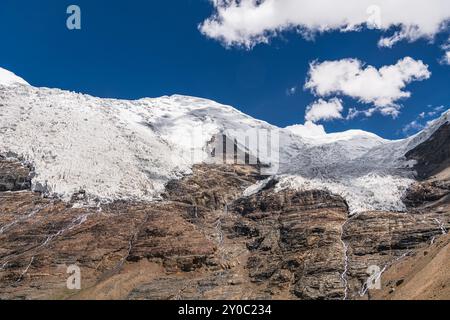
118 149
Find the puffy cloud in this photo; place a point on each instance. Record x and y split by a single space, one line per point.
309 129
382 87
410 33
248 22
324 110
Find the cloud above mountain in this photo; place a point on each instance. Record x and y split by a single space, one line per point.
446 57
248 22
382 87
423 119
324 110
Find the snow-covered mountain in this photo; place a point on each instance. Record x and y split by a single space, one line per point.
7 78
118 149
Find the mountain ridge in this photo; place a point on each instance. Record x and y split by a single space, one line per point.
79 142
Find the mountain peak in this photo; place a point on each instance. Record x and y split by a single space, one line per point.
7 78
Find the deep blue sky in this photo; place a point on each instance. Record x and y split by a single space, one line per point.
133 49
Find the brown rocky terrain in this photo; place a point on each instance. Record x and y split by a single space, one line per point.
422 276
424 273
205 240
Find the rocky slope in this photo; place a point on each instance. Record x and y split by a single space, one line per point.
206 241
424 273
432 157
422 276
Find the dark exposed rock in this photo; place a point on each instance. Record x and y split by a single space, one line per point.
427 192
14 176
212 186
299 246
433 155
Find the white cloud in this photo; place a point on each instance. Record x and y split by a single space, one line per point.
291 91
248 22
353 113
446 58
324 110
382 87
436 111
309 129
439 108
446 47
410 33
417 125
412 127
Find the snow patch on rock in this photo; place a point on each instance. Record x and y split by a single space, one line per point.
370 192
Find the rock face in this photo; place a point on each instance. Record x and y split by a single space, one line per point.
294 242
13 176
427 192
206 241
433 155
423 275
212 187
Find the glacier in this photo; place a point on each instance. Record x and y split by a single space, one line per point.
128 150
